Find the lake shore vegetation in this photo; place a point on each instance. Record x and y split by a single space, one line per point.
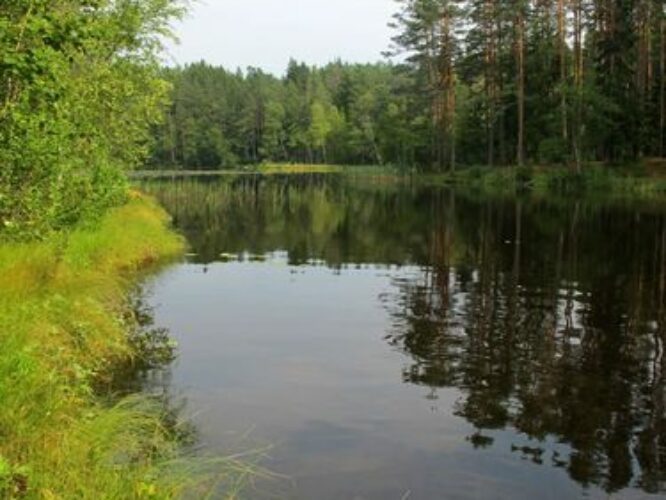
80 89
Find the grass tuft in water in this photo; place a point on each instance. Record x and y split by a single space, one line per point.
65 323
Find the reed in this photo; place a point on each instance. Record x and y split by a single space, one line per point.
65 320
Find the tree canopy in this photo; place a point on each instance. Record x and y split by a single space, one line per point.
472 82
79 89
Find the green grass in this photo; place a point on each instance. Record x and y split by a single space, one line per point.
298 168
64 323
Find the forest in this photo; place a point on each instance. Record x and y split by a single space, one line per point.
537 314
465 82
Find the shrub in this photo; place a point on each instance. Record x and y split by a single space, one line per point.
79 90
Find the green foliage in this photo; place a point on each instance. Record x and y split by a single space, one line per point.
79 90
66 328
13 480
341 113
592 91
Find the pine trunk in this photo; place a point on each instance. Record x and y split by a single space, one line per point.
562 34
662 86
520 84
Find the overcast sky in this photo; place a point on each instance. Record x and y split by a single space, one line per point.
266 33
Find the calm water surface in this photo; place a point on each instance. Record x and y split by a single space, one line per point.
394 342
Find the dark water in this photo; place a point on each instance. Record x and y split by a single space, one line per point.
395 342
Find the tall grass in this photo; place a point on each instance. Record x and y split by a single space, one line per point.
64 326
298 168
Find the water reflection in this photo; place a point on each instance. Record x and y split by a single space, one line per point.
547 316
557 330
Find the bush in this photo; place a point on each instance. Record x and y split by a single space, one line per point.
79 91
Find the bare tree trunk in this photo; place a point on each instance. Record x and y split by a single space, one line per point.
452 122
520 83
447 86
578 81
562 41
662 86
499 93
490 78
643 69
435 100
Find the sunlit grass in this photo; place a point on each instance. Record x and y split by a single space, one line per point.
298 168
63 328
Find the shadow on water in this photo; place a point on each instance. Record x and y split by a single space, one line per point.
148 372
551 324
153 348
548 316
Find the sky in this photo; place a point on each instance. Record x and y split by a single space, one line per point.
267 33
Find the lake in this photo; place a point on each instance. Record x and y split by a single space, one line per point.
398 341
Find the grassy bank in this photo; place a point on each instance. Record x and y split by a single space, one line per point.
65 320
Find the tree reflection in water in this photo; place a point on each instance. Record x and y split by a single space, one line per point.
551 324
547 314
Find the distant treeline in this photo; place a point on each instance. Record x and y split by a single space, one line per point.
490 82
340 114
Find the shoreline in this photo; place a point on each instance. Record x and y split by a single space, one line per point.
66 323
593 179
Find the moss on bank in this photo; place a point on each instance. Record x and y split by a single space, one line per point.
64 323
